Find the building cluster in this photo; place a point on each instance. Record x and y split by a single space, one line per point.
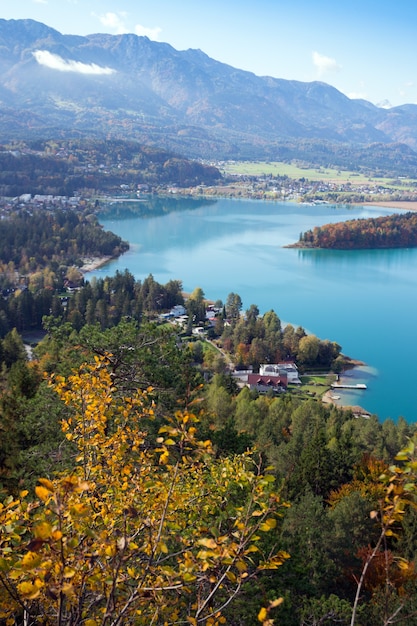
271 378
284 188
40 201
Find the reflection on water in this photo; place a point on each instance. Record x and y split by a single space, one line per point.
151 206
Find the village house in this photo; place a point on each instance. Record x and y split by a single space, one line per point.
287 368
265 384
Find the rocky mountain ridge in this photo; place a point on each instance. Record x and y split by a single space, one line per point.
130 86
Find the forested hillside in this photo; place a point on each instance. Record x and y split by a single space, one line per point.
91 165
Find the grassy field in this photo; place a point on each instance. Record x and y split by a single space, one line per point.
276 168
312 386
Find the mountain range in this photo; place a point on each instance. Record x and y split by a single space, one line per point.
127 86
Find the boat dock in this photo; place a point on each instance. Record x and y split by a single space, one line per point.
342 386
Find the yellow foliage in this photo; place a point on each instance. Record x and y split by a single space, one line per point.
135 526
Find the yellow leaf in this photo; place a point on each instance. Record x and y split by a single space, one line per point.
274 603
207 543
30 560
69 572
30 591
268 525
262 615
110 550
43 531
42 493
163 459
67 589
46 483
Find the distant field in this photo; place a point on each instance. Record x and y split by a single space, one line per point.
276 168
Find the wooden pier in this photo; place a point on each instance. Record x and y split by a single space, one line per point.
342 386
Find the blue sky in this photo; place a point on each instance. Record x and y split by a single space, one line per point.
364 48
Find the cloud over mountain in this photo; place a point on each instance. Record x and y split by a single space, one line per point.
55 62
117 23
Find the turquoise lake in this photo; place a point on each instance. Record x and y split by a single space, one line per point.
364 300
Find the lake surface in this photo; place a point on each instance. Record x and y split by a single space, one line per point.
364 300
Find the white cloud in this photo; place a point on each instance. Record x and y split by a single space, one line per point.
325 64
152 33
55 62
116 22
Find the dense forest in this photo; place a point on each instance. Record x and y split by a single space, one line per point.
32 241
62 167
390 231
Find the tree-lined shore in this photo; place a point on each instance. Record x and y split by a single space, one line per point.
390 231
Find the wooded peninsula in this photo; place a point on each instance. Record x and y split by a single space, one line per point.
389 231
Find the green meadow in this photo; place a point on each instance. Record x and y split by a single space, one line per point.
277 168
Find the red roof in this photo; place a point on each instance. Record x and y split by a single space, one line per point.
270 381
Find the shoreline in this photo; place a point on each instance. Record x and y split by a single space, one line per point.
94 263
357 410
327 397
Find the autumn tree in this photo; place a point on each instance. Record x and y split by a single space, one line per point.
136 533
385 574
